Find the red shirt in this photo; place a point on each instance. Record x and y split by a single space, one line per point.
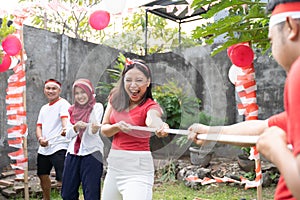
135 140
289 121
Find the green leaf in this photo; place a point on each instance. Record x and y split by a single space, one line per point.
246 22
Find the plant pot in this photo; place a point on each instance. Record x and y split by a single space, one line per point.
200 157
245 164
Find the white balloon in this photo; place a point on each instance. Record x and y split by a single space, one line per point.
233 72
114 6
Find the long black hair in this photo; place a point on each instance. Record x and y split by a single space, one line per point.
118 97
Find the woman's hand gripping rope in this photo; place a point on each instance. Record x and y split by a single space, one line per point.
161 132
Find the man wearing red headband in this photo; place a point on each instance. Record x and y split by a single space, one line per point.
282 130
284 34
52 121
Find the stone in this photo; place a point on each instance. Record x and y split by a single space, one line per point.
6 183
8 173
9 193
12 188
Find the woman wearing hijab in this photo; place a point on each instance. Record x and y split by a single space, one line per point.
83 163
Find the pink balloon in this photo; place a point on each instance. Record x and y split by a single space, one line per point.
6 61
11 45
242 56
99 19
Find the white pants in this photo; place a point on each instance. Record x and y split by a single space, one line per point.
130 176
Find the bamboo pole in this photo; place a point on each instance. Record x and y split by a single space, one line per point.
259 187
26 184
25 149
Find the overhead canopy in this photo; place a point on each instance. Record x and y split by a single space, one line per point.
175 10
179 11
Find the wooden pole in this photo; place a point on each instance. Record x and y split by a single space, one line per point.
26 184
259 187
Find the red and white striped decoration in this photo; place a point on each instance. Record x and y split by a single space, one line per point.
245 86
15 103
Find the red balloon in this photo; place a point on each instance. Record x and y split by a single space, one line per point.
229 50
242 56
99 19
11 45
6 61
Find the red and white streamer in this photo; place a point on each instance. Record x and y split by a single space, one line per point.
245 86
15 100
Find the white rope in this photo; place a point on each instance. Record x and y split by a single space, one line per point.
55 136
242 139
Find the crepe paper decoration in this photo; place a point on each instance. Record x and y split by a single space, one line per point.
18 83
17 155
16 142
20 164
20 66
14 98
20 75
16 119
19 174
17 131
251 109
216 179
247 86
254 155
15 90
6 61
11 45
13 109
241 55
99 19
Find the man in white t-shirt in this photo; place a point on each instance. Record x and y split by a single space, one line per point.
52 121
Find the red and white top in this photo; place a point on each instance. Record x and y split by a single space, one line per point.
50 120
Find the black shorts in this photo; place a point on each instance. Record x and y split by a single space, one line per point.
46 162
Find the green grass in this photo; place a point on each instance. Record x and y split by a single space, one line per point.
178 191
219 191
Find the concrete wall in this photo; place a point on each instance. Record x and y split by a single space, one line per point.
50 55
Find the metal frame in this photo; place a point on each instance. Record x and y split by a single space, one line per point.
162 12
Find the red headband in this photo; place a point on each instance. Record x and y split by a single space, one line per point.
287 7
54 82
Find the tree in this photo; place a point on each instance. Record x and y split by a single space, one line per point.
246 22
69 17
161 38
